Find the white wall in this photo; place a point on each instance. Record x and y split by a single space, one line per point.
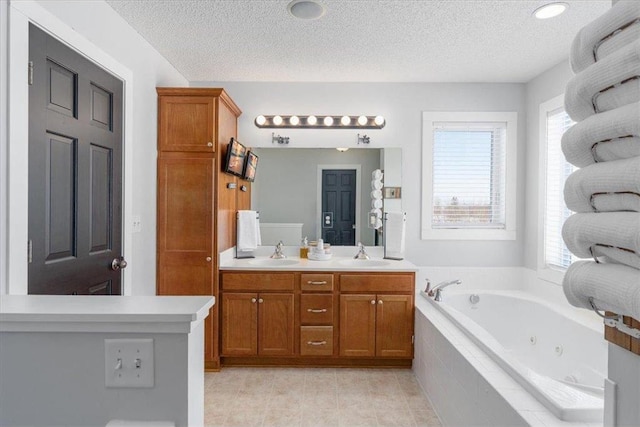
101 33
547 85
402 105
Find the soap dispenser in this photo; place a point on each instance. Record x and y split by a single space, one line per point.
304 248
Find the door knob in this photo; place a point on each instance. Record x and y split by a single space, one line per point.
118 263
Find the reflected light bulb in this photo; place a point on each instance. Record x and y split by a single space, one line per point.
328 121
312 120
379 120
260 120
294 120
345 120
362 120
277 120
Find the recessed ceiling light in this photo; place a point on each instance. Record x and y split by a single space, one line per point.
306 9
550 10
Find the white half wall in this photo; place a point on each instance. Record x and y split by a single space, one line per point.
402 105
97 31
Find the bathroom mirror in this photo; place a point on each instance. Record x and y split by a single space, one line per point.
289 190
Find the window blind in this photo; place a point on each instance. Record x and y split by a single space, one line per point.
469 164
556 253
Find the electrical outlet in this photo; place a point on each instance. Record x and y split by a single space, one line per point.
137 224
128 363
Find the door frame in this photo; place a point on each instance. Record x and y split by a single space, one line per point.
15 280
358 169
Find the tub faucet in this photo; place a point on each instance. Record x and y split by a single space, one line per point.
362 253
278 252
436 291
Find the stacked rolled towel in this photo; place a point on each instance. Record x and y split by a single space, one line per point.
604 98
613 287
590 38
605 187
612 135
600 86
611 237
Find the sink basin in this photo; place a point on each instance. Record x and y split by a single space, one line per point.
269 262
364 262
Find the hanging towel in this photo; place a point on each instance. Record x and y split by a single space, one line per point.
248 231
613 287
394 235
601 84
589 37
592 188
619 232
615 133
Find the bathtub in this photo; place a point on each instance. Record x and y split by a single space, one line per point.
560 362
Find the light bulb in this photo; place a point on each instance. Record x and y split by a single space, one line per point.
277 120
379 120
362 120
312 120
345 120
260 120
342 149
550 10
328 121
294 120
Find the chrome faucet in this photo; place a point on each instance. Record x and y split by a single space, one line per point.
278 252
362 253
436 291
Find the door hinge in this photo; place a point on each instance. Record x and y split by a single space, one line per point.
30 251
30 72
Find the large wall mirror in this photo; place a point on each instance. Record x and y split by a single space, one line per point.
323 191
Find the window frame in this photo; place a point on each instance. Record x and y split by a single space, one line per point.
510 176
553 274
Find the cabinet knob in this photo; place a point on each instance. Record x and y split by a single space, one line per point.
208 259
209 144
373 301
260 300
379 301
253 300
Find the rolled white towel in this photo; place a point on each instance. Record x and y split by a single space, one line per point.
617 133
376 184
619 15
376 203
618 176
613 287
376 194
620 230
376 175
600 84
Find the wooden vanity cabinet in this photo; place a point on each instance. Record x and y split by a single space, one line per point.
195 206
317 314
258 314
376 315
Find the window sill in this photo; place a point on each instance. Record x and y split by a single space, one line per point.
551 275
467 234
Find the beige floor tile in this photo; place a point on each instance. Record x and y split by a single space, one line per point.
285 401
283 418
320 399
244 418
354 417
319 418
425 418
394 418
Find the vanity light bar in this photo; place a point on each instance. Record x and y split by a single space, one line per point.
320 122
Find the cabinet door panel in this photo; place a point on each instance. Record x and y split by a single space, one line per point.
239 324
357 325
186 123
276 323
394 326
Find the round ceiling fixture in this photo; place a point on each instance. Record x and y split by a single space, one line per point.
306 9
550 10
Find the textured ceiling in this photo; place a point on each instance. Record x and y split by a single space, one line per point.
359 40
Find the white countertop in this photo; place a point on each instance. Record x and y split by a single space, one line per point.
342 260
104 313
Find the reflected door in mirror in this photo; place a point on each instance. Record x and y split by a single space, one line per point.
339 206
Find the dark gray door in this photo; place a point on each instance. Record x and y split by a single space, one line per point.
339 206
75 172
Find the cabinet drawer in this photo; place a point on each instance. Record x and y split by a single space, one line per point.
316 309
316 340
316 282
377 283
257 282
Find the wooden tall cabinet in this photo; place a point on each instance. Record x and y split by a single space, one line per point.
195 204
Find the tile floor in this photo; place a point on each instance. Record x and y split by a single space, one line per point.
316 397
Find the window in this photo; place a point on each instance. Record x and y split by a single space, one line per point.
469 176
554 257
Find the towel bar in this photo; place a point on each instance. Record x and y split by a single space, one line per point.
610 35
592 250
596 144
615 321
594 98
592 197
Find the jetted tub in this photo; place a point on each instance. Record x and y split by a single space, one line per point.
559 361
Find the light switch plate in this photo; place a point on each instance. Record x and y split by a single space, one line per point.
137 224
129 363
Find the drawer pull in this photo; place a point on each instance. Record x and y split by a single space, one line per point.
316 310
316 343
311 282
